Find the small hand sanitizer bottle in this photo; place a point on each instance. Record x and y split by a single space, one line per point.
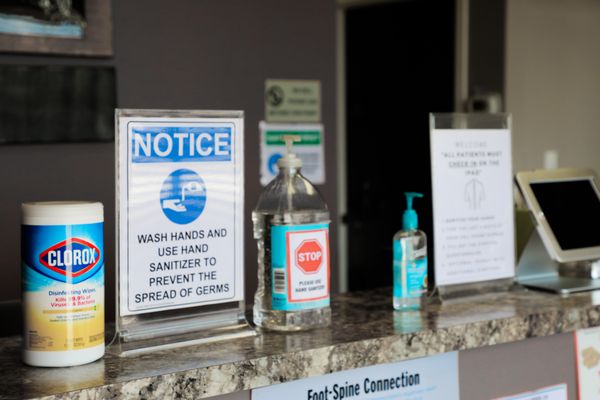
410 260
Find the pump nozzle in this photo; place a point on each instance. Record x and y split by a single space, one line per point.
410 219
290 159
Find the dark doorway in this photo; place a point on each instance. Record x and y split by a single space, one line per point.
399 68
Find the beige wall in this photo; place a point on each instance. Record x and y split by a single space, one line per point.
553 81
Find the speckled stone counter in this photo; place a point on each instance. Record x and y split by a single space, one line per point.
365 331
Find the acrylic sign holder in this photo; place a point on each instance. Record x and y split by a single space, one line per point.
478 124
204 149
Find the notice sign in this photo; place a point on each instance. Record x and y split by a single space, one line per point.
289 100
180 212
472 205
310 149
430 378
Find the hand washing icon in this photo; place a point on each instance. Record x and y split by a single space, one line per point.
178 205
173 204
183 196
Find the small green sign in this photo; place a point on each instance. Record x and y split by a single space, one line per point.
275 138
310 148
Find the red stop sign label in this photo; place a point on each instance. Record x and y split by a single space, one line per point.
309 256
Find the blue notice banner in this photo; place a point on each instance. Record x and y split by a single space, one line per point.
180 144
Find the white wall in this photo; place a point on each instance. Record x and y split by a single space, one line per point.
553 81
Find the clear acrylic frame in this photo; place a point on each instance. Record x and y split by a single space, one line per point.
472 121
197 322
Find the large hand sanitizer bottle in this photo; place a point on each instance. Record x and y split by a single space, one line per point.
410 260
291 226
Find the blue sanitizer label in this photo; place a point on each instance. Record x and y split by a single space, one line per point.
300 266
410 272
63 286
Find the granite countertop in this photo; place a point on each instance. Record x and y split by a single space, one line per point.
365 331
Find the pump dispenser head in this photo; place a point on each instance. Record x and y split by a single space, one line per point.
290 159
410 219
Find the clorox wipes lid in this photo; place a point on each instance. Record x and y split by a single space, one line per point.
289 159
410 219
62 212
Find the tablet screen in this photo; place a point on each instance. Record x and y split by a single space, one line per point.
572 209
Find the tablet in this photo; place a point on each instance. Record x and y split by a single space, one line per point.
565 204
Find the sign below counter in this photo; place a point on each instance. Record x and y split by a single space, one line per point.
472 199
292 100
310 149
556 392
431 378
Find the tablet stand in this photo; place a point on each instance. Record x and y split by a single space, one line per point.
537 270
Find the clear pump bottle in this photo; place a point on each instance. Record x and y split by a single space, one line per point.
410 260
291 227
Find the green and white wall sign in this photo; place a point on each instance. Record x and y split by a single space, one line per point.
310 149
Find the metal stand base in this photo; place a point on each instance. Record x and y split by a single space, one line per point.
580 269
537 270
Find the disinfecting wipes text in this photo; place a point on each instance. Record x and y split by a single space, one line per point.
182 243
63 286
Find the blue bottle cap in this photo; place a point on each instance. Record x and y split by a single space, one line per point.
410 219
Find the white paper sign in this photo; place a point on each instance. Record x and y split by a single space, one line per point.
555 392
472 205
587 349
310 149
430 378
181 212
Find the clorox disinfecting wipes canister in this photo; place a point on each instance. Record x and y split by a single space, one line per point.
63 283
